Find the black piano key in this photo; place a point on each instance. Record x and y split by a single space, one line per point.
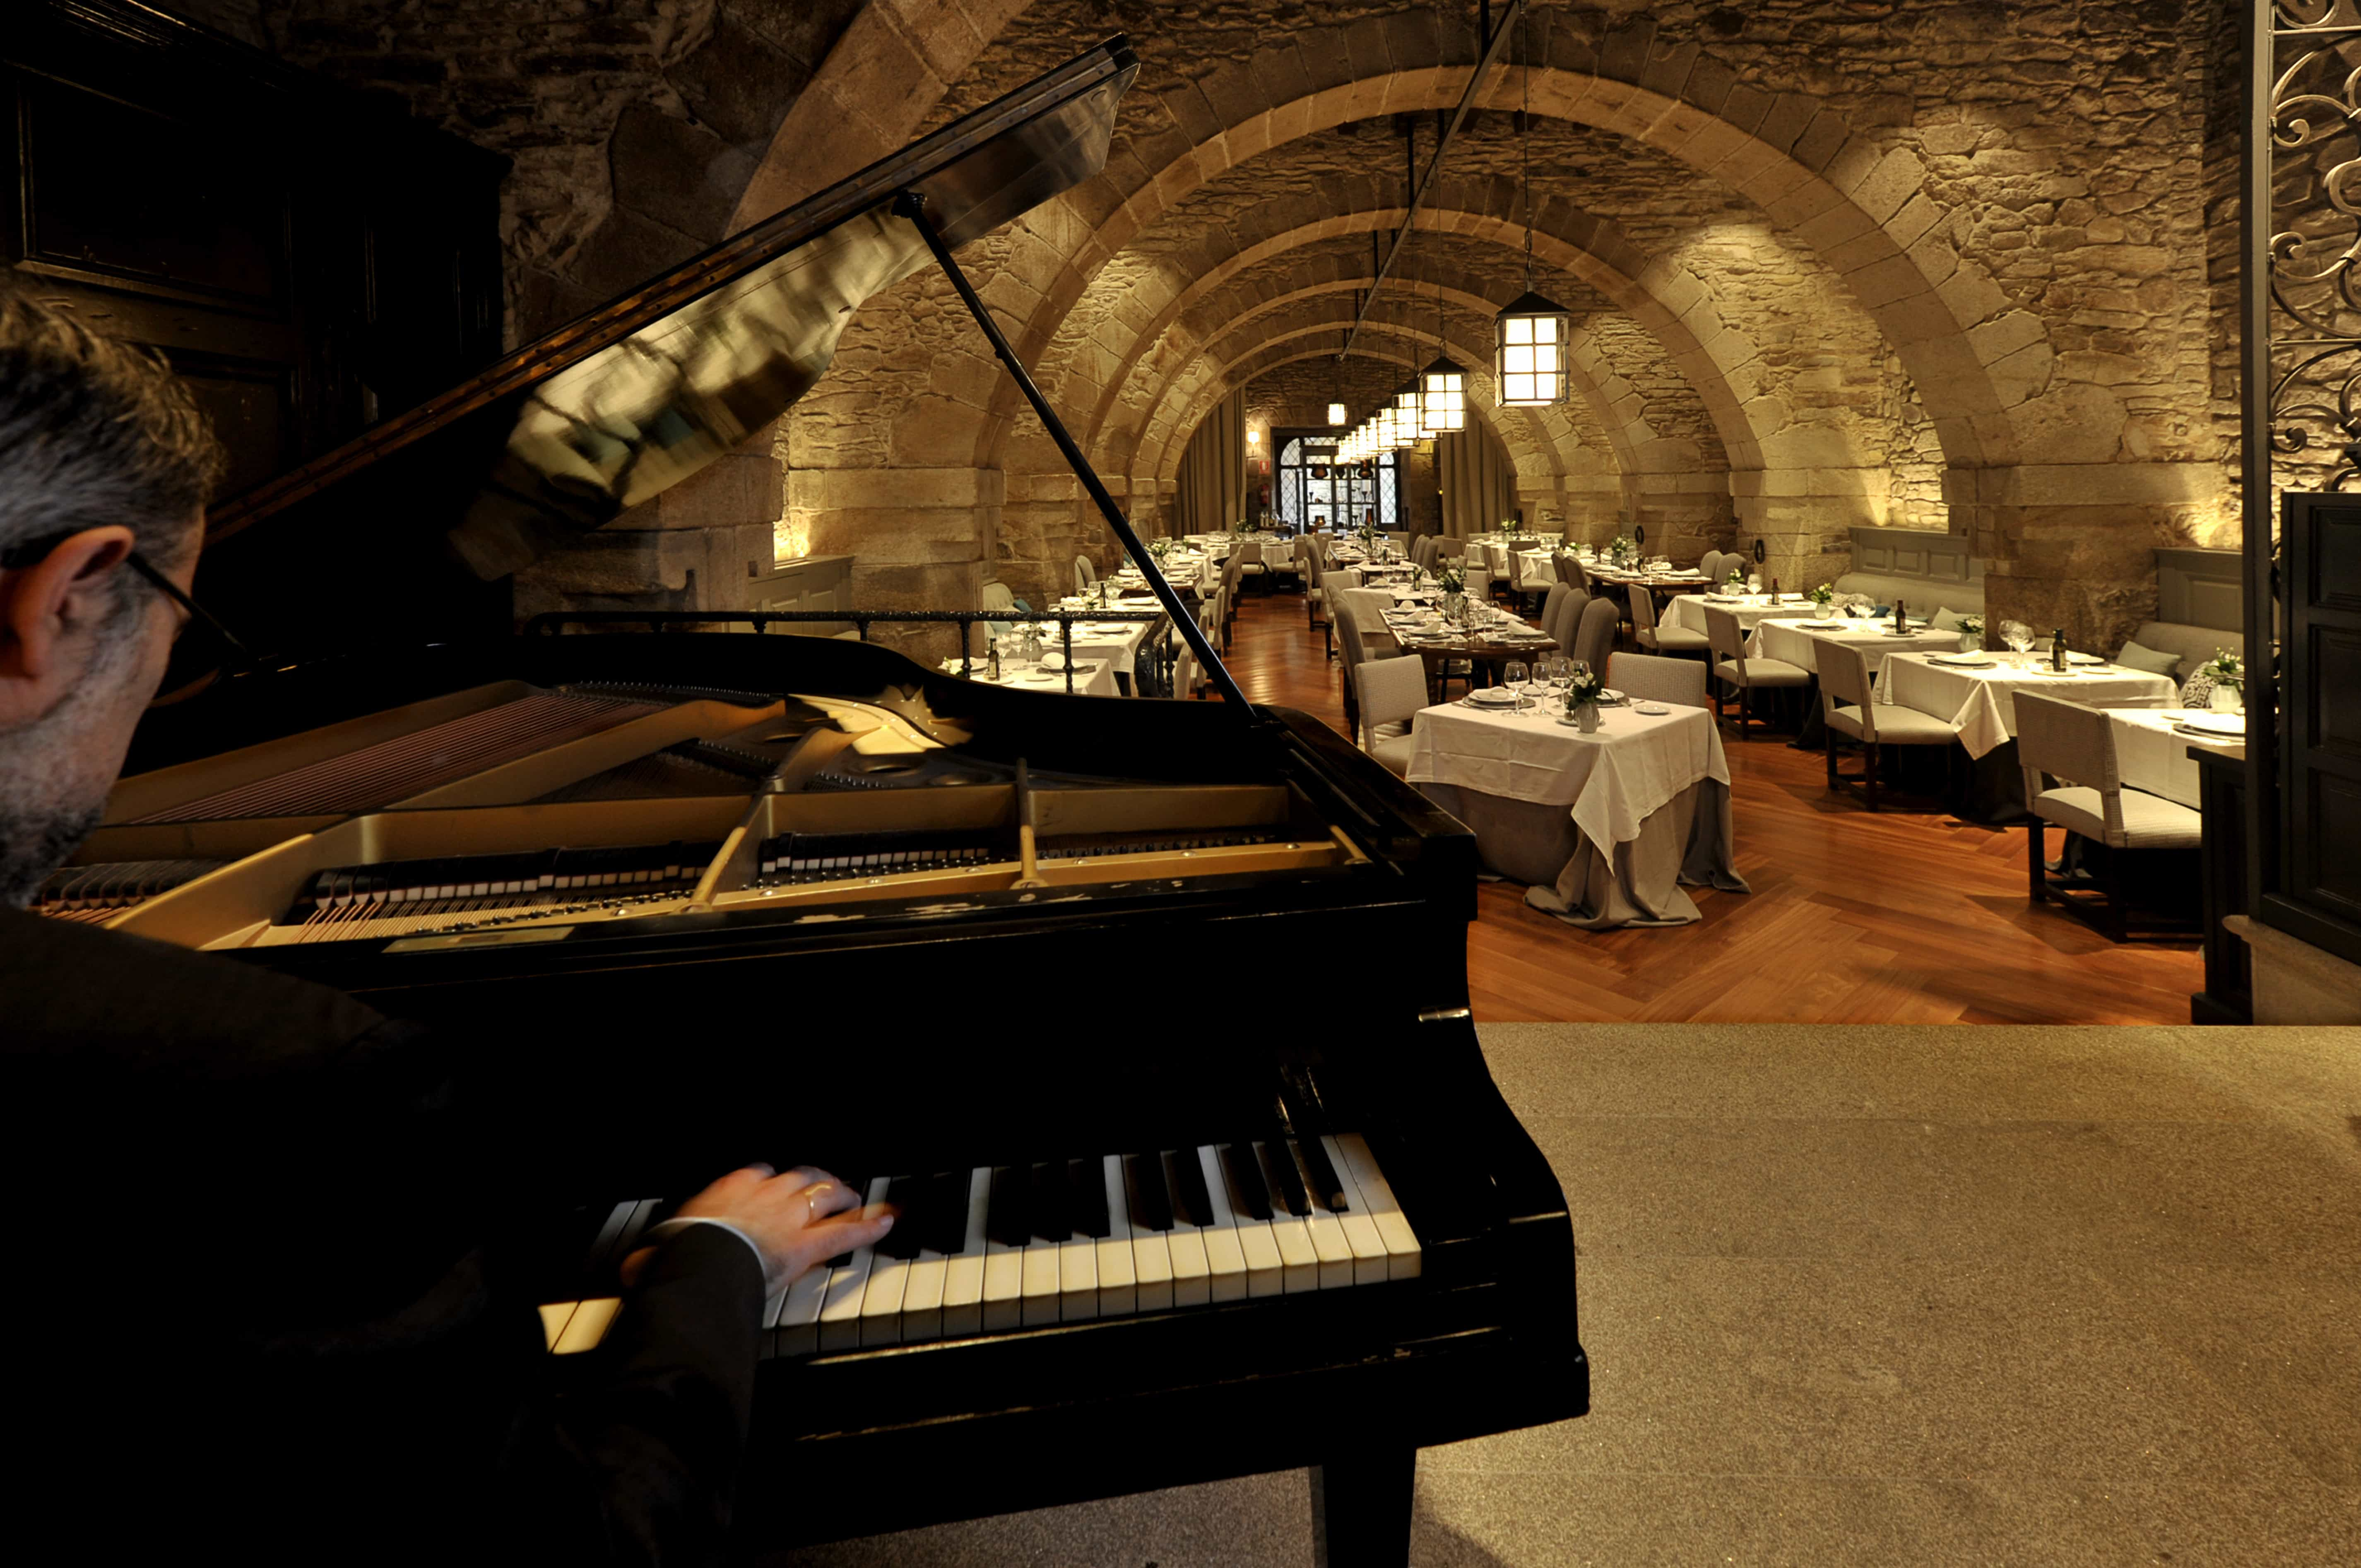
1048 1215
1143 1183
1186 1178
947 1206
1320 1173
1086 1199
1004 1221
1286 1185
909 1194
1247 1194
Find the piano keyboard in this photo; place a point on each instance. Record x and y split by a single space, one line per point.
95 893
463 893
998 1248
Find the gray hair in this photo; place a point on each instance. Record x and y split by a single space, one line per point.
94 433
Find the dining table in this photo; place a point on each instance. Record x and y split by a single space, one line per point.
1798 641
1093 678
1606 828
1977 691
2153 745
1486 646
1685 612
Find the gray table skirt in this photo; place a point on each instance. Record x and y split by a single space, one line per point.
1688 840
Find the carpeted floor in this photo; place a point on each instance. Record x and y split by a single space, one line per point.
1889 1296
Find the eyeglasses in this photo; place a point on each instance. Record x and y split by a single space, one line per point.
196 660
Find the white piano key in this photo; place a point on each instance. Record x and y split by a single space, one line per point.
847 1287
1298 1260
1118 1281
881 1303
1360 1230
1224 1253
1193 1273
1078 1280
1040 1282
1403 1256
1152 1264
556 1315
797 1330
922 1296
588 1325
1004 1275
1328 1242
1266 1274
964 1275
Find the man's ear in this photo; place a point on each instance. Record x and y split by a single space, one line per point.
48 607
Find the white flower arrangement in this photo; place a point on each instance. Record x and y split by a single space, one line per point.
1825 595
1973 625
2225 667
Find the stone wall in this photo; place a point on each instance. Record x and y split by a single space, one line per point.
633 124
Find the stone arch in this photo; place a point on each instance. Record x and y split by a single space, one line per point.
1718 365
1613 429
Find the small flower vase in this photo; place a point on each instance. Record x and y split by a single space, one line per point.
2227 696
1454 606
1971 642
1585 717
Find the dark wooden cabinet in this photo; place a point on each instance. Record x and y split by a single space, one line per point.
310 260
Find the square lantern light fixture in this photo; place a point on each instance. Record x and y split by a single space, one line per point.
1530 339
1335 413
1443 397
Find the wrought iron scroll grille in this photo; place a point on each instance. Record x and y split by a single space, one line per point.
2313 255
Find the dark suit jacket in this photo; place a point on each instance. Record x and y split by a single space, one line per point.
262 1304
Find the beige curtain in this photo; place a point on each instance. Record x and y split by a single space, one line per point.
1211 491
1477 481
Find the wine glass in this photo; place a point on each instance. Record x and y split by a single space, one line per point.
1516 677
2018 636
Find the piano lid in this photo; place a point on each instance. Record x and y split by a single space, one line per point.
560 436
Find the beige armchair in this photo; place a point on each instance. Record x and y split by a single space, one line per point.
1733 669
1848 709
2076 746
1393 691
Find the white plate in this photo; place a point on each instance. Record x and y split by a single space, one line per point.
1961 660
1651 709
2216 723
1483 697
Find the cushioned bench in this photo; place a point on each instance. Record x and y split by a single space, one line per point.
1923 594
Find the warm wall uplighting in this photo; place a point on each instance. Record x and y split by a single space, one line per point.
1253 438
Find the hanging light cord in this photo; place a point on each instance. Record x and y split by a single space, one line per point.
1525 141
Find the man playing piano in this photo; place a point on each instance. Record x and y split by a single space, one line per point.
260 1304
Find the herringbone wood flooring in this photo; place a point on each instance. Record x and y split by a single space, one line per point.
1911 916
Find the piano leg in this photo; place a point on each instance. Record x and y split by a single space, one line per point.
1361 1508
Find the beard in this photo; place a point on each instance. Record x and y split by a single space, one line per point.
35 841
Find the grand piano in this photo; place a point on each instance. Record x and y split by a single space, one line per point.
1152 1015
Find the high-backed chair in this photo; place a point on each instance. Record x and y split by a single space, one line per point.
1650 679
1562 631
1559 592
1594 639
1341 614
1658 639
2076 746
1849 708
1456 548
1569 570
1733 669
1715 566
1248 558
1309 562
1369 607
1422 550
1393 691
1086 575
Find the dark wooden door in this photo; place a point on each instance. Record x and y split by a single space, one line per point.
309 261
2319 892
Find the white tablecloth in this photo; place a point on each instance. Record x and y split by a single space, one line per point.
1983 702
1796 642
1609 780
2151 755
1687 612
1096 679
1116 642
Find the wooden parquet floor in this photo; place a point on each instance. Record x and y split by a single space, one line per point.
1912 916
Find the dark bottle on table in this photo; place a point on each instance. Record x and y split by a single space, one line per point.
1901 616
2058 649
992 658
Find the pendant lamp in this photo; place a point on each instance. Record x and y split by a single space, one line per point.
1530 336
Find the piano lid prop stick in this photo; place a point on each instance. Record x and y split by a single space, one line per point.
1028 850
911 205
